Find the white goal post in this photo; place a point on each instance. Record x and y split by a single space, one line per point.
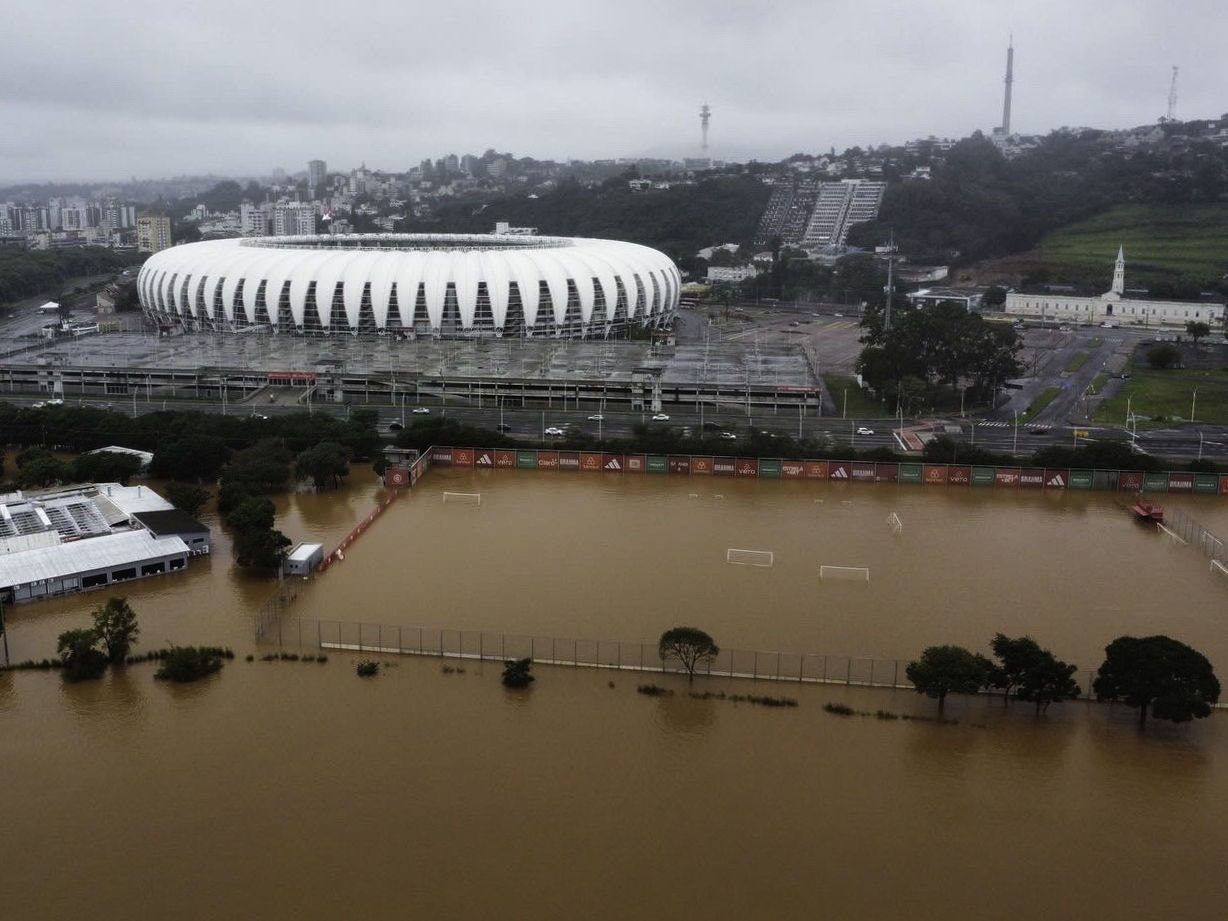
750 557
852 573
467 498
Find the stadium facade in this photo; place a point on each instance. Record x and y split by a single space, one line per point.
411 285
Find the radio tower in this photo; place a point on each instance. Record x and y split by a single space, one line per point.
1172 99
704 114
1005 130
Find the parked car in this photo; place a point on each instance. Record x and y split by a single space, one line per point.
660 417
421 410
862 430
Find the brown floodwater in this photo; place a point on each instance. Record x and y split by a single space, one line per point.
287 790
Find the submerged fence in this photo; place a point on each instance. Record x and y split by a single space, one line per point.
394 639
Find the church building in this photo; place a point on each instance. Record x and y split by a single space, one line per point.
1114 307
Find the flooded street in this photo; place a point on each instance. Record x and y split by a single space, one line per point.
293 790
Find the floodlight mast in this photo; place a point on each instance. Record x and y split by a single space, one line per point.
705 113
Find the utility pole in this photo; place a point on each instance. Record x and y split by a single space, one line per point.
890 289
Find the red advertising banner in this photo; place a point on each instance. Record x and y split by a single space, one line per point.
863 471
747 466
1032 478
679 464
484 459
723 466
935 474
816 470
547 460
505 459
1130 480
569 460
1223 483
839 470
462 457
396 477
701 466
959 475
1181 482
590 463
792 470
637 463
886 473
1057 479
612 463
441 456
1006 476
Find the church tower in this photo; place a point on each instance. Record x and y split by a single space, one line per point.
1119 273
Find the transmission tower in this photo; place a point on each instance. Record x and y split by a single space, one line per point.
704 114
1172 98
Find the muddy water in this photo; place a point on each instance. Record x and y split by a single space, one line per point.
294 790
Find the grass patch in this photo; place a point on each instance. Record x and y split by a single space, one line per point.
859 405
653 690
1077 362
1159 398
1098 382
1159 240
1095 342
1043 399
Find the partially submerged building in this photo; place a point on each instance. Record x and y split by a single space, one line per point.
84 537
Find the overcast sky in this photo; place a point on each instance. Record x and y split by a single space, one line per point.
92 90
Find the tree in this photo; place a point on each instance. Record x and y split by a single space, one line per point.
324 464
517 674
80 656
1197 330
106 467
689 645
186 497
182 664
1160 674
116 628
944 670
1031 672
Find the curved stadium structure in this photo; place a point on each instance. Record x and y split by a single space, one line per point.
413 285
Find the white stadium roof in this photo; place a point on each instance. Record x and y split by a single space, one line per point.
425 284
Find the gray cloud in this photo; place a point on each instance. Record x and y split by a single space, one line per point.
97 91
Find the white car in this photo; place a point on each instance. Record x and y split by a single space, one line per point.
421 410
729 436
660 417
865 431
596 417
555 431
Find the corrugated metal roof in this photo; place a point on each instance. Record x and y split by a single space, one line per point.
88 555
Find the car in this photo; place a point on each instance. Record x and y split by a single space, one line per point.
555 431
259 416
421 410
660 417
862 430
596 417
729 436
712 426
838 315
55 402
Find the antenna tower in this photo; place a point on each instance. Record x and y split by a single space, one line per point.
704 114
1010 80
1172 98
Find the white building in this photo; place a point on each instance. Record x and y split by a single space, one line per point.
1114 306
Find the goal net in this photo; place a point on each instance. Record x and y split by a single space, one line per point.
465 498
847 573
894 523
750 557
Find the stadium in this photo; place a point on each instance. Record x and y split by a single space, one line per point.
411 286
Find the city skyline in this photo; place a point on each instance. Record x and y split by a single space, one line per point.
228 89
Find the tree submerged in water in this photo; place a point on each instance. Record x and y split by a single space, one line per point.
183 664
517 673
690 646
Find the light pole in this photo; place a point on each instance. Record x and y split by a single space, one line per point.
845 413
1015 445
1200 444
1193 401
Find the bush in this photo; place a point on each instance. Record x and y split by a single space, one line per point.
367 668
182 664
516 673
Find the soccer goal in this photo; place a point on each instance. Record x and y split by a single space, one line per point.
848 573
465 498
1217 566
894 523
750 557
